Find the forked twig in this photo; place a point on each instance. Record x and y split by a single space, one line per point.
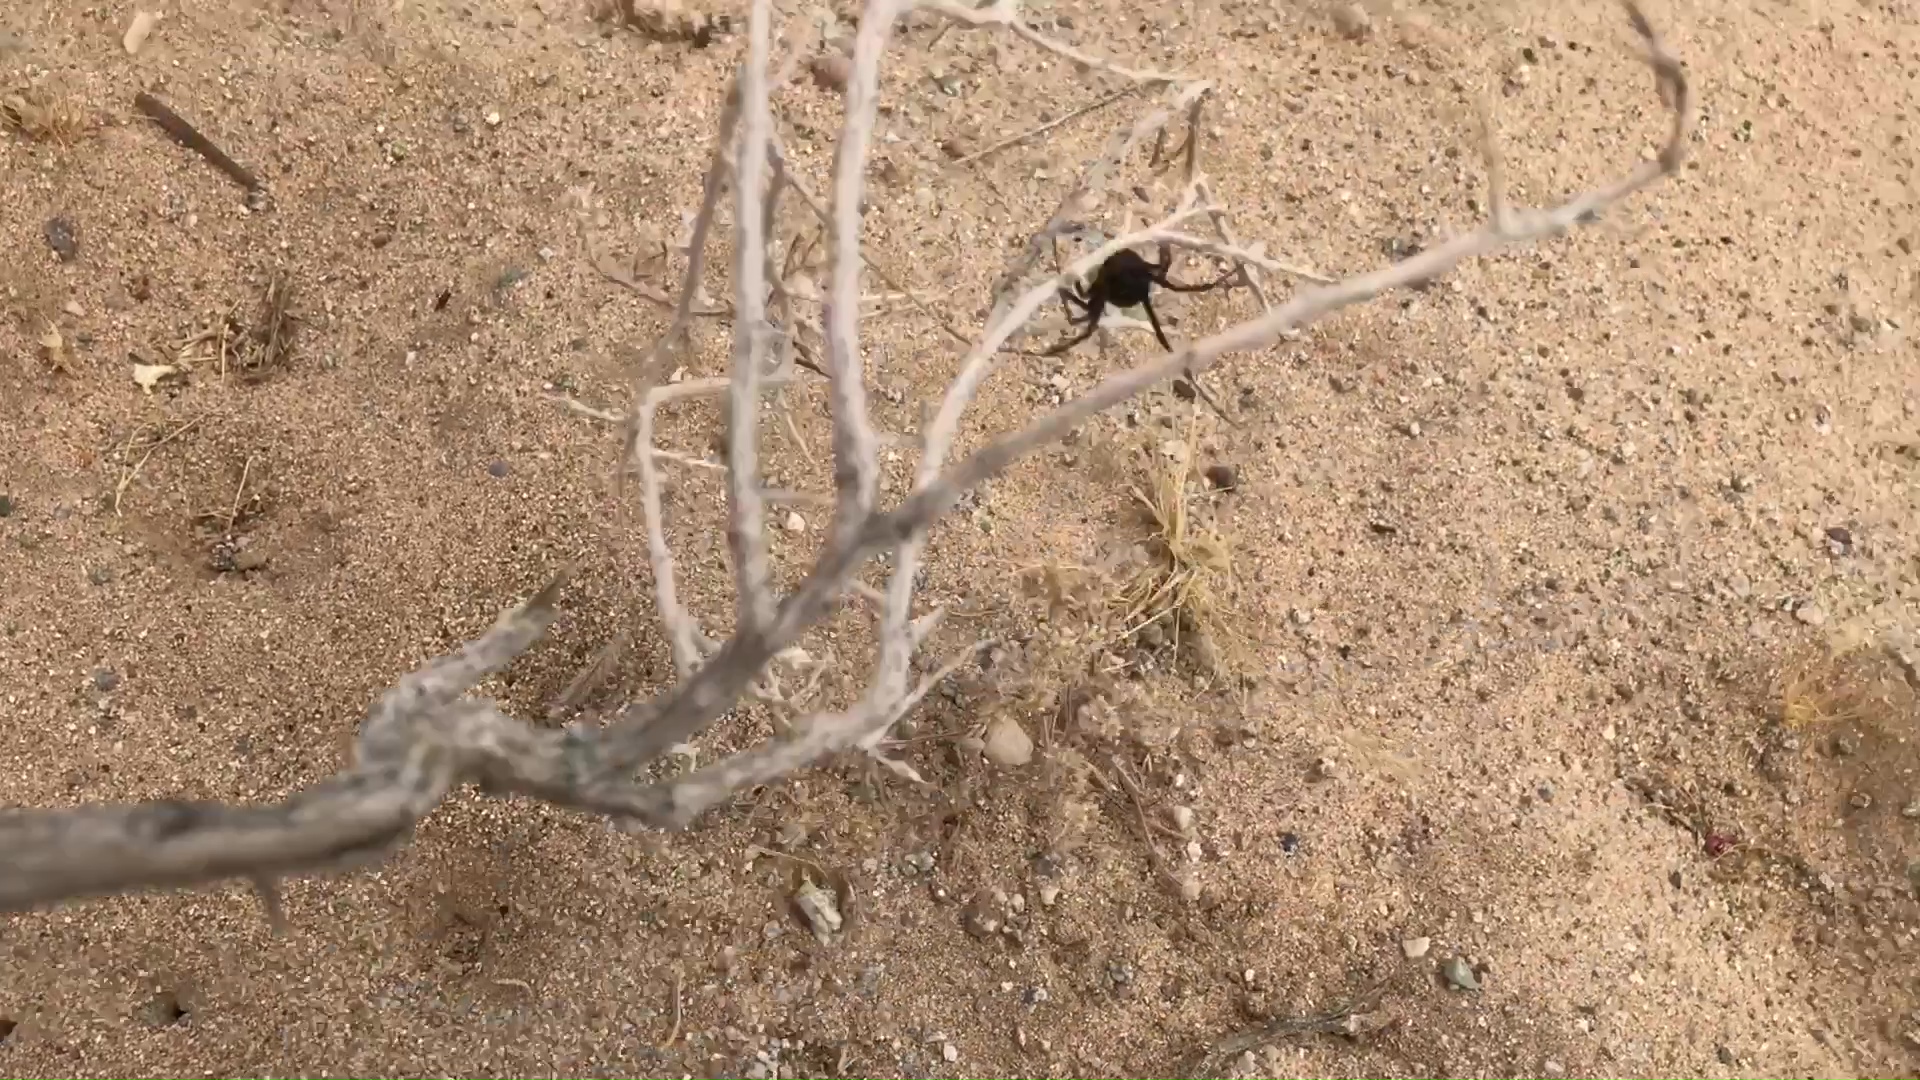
428 735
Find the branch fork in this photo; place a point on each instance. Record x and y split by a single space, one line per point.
429 734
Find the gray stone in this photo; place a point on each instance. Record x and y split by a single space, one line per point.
1459 974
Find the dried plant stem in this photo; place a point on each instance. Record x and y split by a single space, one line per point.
428 735
746 516
1058 121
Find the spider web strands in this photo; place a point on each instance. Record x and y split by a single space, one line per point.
428 735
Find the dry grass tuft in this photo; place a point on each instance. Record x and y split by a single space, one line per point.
272 337
1870 684
251 351
1183 586
46 116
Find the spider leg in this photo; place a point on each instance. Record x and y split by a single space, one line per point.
1154 321
1072 297
1075 340
1094 305
1177 287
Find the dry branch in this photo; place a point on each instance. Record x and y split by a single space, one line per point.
427 736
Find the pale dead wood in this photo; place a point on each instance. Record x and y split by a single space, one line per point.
746 510
427 735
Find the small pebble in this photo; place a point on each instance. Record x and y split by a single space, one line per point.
1007 744
105 680
1414 948
1352 21
950 1052
498 470
794 523
822 911
1811 613
831 71
1459 974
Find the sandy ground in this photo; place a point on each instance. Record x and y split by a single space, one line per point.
1542 567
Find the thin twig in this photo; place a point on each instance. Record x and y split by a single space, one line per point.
683 634
1350 1018
1137 798
1007 13
186 134
1223 226
605 659
233 512
1033 133
856 459
127 478
880 270
673 1033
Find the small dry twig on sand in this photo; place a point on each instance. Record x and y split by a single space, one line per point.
131 471
1353 1018
187 135
426 735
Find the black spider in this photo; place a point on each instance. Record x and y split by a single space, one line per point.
1126 280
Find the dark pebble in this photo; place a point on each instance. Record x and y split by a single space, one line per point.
498 470
6 506
63 239
100 575
105 680
1289 842
1223 477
